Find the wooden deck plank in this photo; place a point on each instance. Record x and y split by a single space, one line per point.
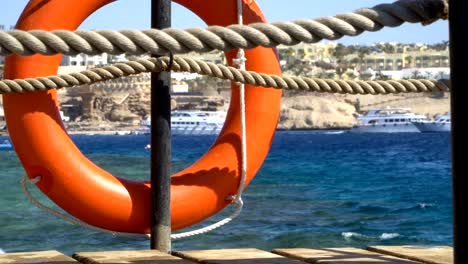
425 254
36 257
129 256
339 256
234 256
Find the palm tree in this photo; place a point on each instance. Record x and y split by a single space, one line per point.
290 52
388 48
351 75
443 45
408 61
339 52
428 74
415 74
365 76
381 76
441 74
362 52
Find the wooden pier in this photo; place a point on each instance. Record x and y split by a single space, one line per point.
373 255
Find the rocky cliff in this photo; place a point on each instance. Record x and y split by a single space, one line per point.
316 112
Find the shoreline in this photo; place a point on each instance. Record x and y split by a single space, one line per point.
315 129
130 132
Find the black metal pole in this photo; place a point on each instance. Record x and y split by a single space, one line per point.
161 141
458 20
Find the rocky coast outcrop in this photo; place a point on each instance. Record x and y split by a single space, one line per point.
316 112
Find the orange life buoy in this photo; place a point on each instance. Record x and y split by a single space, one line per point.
95 196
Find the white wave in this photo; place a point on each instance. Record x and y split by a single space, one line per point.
1 251
386 236
334 132
425 205
349 235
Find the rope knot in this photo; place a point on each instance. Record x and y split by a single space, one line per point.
35 179
235 199
164 63
240 59
171 61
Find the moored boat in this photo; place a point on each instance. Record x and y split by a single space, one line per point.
441 124
5 144
387 120
190 123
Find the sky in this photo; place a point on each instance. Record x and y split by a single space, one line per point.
135 14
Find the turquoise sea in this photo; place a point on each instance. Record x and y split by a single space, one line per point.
315 189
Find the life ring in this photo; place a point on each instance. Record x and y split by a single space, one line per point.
95 196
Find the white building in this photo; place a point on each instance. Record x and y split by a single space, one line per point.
2 113
180 76
85 60
179 87
417 73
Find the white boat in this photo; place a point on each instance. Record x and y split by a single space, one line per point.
190 123
5 144
387 120
441 124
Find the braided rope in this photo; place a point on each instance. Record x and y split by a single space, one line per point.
222 38
224 72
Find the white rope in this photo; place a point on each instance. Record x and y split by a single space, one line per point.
66 217
76 221
213 226
240 61
236 199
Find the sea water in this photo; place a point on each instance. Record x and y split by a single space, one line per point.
315 189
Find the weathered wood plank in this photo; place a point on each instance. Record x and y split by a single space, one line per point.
234 256
130 256
36 257
425 254
339 256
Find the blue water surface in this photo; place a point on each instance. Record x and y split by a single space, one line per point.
315 189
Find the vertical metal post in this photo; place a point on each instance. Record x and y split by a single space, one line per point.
459 109
161 141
